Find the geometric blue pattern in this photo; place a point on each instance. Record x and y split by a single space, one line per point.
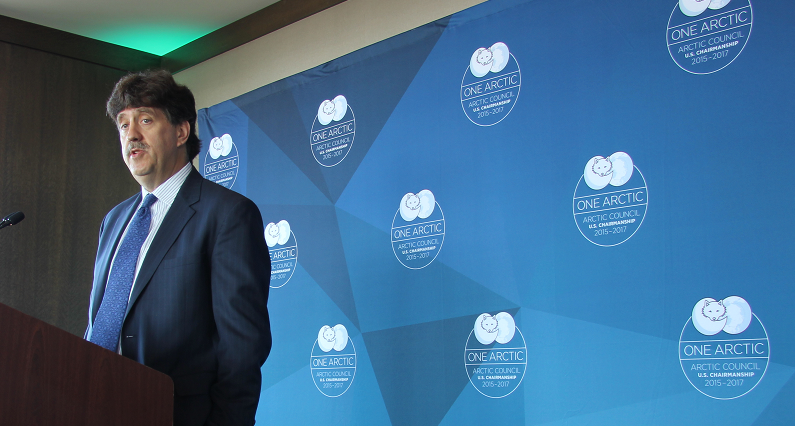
107 325
596 79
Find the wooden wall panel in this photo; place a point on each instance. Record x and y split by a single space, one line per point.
60 163
74 46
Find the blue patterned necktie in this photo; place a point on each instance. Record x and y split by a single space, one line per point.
107 325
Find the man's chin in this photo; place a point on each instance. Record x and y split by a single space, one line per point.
139 171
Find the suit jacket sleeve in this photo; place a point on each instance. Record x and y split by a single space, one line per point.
240 277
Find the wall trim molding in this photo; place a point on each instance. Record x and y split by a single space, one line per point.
242 31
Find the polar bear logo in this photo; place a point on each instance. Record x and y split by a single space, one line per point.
489 59
715 311
328 334
484 56
327 107
221 147
602 166
615 170
332 110
732 315
277 233
412 201
489 323
417 205
490 328
329 338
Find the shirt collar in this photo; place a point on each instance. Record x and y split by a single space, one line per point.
167 191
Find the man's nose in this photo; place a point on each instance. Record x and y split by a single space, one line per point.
133 132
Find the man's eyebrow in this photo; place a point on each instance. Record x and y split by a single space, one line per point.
146 110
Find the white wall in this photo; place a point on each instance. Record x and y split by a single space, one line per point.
307 44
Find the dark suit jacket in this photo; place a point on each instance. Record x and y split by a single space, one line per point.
198 310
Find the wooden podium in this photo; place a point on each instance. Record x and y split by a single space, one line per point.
51 377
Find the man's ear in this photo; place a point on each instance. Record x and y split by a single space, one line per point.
183 132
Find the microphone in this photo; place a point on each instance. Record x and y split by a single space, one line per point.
12 219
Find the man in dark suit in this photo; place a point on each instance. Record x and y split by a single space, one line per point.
192 301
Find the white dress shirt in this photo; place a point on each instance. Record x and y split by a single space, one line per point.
165 193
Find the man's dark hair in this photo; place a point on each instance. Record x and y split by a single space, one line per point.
157 89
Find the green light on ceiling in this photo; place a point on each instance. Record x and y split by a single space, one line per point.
157 40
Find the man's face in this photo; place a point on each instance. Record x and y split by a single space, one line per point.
152 147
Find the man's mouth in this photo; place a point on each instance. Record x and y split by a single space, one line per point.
135 151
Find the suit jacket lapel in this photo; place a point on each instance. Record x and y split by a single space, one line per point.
177 217
116 227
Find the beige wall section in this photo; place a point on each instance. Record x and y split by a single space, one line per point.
305 44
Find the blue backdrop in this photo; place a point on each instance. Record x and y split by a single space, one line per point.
530 212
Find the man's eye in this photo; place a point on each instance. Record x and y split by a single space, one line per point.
123 126
147 120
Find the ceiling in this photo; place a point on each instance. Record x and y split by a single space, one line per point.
153 26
